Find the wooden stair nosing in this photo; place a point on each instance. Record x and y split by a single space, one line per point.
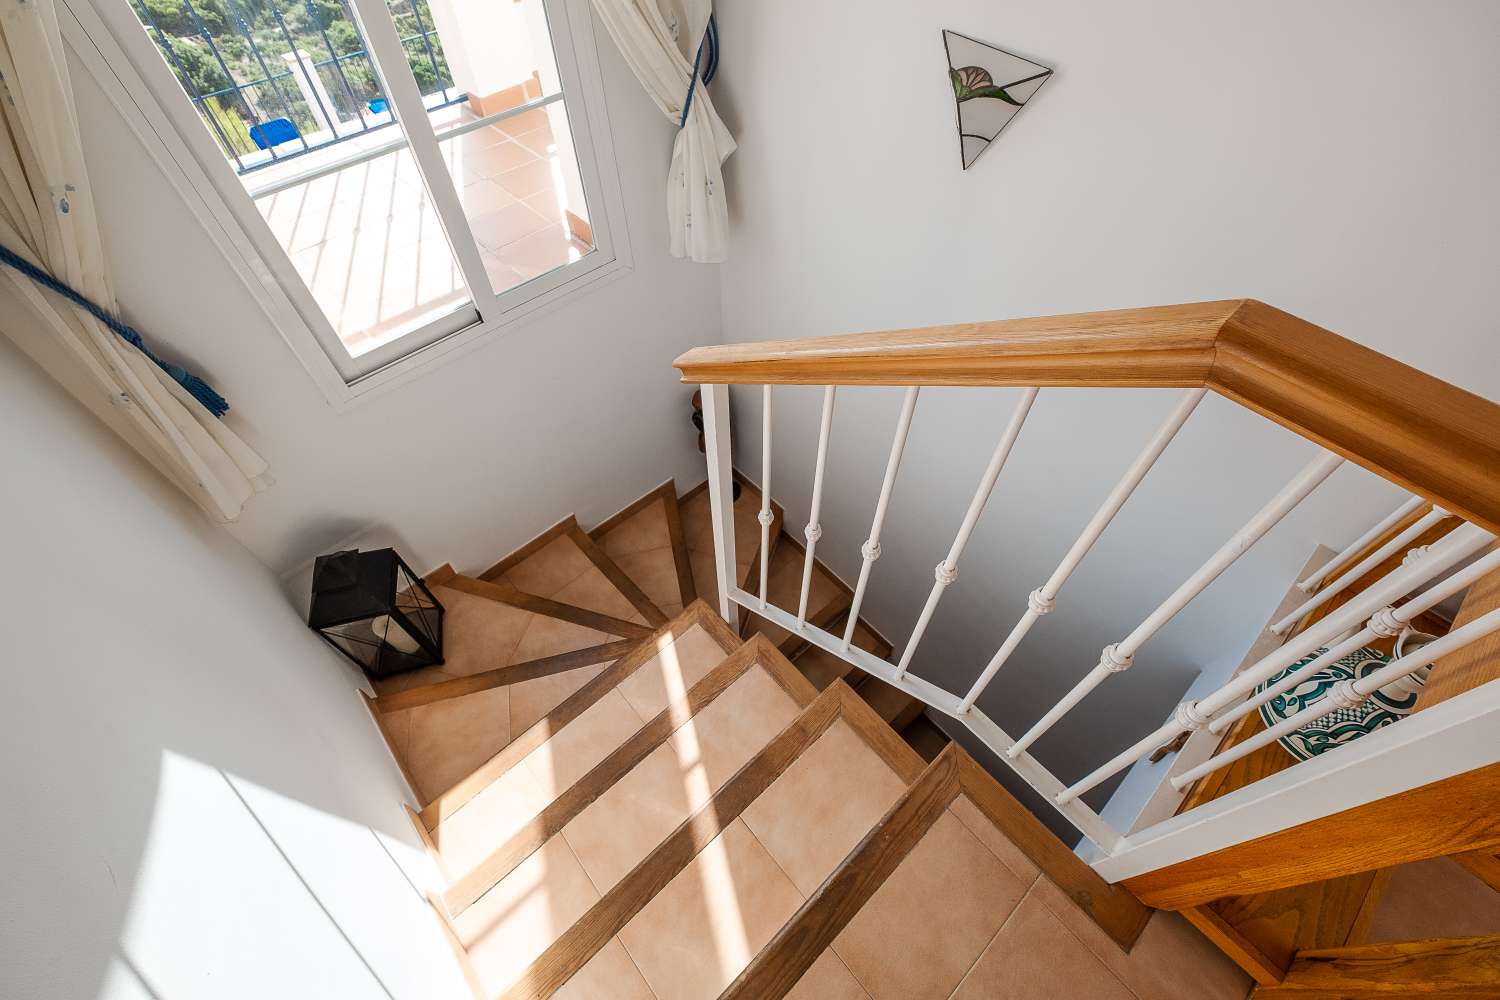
696 614
581 941
515 673
1483 865
529 549
1436 967
1242 951
617 577
550 821
504 593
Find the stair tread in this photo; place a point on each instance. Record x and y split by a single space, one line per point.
697 527
623 825
483 822
562 570
643 541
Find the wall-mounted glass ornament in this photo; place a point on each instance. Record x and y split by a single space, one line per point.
990 86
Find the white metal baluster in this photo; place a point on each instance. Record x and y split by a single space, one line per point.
1348 694
720 491
1374 559
1309 583
1452 550
764 517
814 530
1118 657
1388 622
947 570
1042 600
871 549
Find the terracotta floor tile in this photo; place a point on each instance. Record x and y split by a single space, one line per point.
412 678
397 729
645 529
1170 960
541 251
513 923
942 904
822 806
609 975
989 835
620 828
702 929
828 979
530 700
655 572
593 591
488 819
547 636
529 121
450 738
784 589
671 673
539 141
580 745
479 634
482 196
495 159
550 568
498 229
1034 955
528 178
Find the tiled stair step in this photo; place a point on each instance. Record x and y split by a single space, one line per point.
958 873
564 564
513 923
698 532
686 919
499 795
647 541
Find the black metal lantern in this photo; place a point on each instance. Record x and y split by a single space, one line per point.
372 608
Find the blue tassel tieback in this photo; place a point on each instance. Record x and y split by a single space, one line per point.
200 390
710 41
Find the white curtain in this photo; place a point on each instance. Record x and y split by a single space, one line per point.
47 217
659 39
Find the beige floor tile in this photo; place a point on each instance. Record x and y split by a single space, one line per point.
549 636
941 905
539 141
609 975
671 608
483 196
501 227
496 159
593 591
784 589
1034 955
528 178
702 929
669 675
527 122
698 530
579 746
822 668
644 530
411 679
1170 960
989 835
396 726
488 819
479 634
1435 898
541 251
620 828
655 572
451 738
513 923
828 979
822 806
550 568
530 700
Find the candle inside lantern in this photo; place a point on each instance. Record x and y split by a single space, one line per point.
395 636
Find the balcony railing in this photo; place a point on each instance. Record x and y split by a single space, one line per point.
274 84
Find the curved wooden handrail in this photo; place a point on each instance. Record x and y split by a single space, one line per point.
1429 436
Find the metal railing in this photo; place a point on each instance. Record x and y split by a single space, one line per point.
313 102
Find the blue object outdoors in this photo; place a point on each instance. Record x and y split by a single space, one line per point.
274 132
200 390
377 106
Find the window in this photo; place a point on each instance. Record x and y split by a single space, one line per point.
419 169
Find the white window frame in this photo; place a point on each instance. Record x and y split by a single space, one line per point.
109 41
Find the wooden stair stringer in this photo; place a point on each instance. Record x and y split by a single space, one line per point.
666 495
505 593
515 673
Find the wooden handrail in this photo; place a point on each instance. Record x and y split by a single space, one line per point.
1404 425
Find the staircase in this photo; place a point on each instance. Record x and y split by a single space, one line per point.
626 796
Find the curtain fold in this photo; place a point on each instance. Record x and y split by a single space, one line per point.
659 40
47 217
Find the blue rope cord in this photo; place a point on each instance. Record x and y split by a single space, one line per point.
199 389
711 40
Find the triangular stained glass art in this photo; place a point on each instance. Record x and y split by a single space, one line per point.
989 86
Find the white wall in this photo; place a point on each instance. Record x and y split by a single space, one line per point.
576 410
1335 159
198 803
